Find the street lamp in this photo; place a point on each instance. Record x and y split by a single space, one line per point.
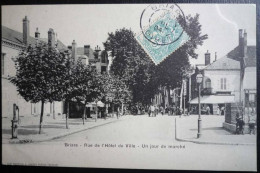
199 79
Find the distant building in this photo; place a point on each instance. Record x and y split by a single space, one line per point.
96 58
12 43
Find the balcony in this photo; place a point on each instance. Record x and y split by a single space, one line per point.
206 91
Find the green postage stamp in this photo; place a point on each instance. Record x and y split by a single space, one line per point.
161 35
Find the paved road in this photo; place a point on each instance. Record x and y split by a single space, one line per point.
140 133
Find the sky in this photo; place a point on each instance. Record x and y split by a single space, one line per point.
90 24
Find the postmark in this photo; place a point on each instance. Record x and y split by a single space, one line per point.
163 34
166 28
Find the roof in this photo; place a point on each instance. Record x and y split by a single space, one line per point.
214 99
80 51
250 58
224 64
17 37
200 66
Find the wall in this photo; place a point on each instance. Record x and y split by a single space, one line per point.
233 80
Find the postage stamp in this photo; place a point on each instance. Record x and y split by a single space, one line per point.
161 34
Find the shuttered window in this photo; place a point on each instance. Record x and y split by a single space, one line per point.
223 84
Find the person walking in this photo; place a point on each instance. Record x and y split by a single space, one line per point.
208 110
149 111
162 110
152 110
218 111
251 123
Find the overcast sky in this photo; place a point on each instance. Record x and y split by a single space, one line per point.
89 24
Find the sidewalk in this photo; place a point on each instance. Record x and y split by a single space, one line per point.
212 131
28 130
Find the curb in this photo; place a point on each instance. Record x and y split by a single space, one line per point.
207 142
24 141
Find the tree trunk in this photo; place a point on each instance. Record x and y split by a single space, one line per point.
113 109
169 96
106 111
53 109
41 117
117 111
122 107
67 115
96 112
84 114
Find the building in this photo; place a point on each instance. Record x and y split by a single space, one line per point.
223 82
12 43
229 82
96 58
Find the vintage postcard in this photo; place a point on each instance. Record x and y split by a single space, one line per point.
135 86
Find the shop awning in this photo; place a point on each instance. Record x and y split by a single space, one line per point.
214 99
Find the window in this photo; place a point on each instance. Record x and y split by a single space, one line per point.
103 69
3 63
223 83
208 83
103 58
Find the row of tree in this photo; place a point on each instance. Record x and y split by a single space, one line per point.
46 74
136 69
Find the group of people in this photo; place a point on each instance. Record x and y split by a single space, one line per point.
240 123
154 110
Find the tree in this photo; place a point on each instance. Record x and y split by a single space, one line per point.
87 85
114 91
173 69
39 72
130 64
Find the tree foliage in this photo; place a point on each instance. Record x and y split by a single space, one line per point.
143 78
174 68
130 64
39 74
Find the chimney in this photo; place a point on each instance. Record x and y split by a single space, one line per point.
241 43
26 31
97 50
86 50
37 33
215 56
207 58
74 50
245 43
51 38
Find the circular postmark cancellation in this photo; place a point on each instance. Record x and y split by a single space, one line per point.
159 23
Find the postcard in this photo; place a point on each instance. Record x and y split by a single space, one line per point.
169 86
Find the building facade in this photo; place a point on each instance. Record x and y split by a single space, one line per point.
226 80
13 42
96 58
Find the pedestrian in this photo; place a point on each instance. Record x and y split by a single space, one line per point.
149 111
162 110
208 110
152 110
251 123
222 110
156 110
239 124
218 111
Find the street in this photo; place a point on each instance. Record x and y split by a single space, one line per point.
132 142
